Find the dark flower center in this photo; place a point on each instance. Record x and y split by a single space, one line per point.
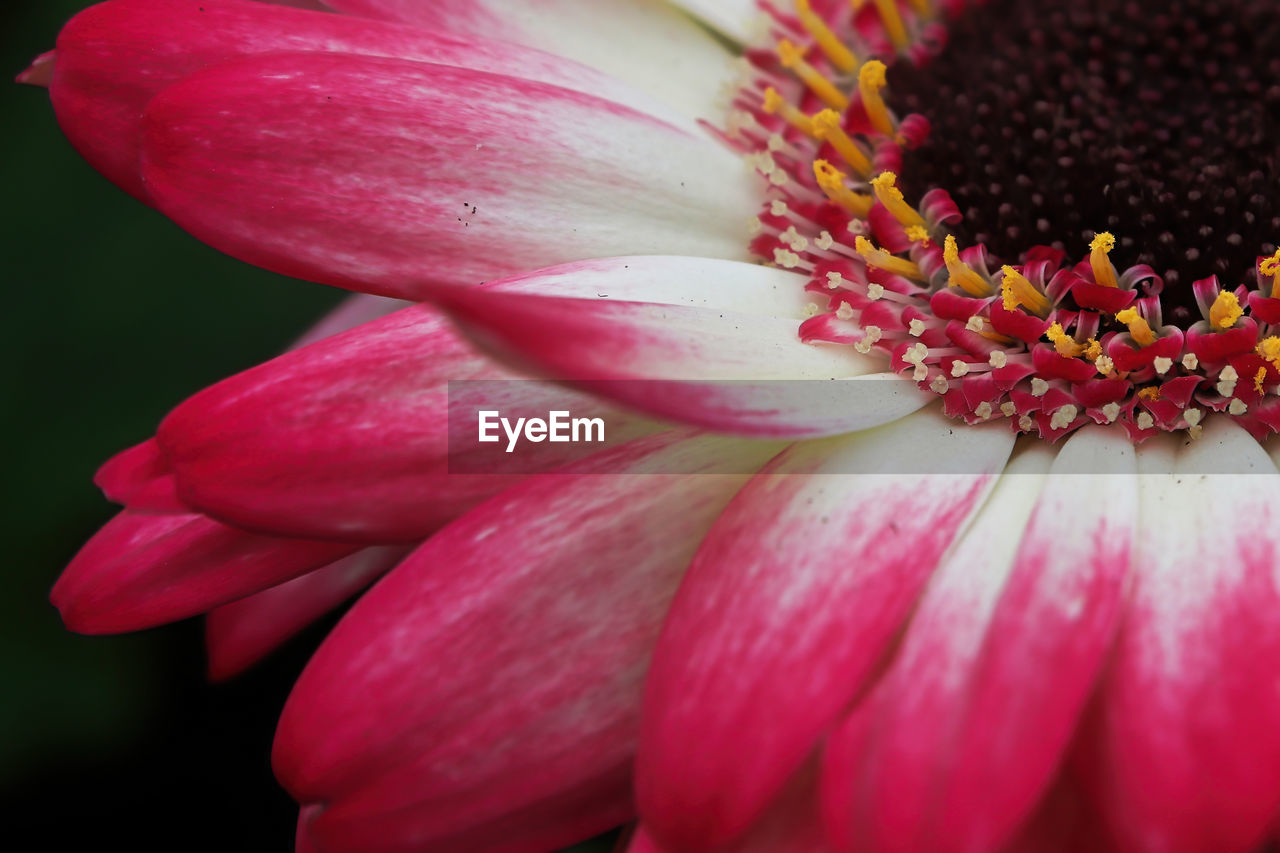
1156 120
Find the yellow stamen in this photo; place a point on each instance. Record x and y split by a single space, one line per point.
826 126
1270 267
1138 327
922 8
892 20
918 234
836 51
881 259
1067 346
1269 348
1093 351
1103 272
1225 310
961 274
793 58
1018 292
775 104
1151 392
885 187
831 181
1258 380
871 79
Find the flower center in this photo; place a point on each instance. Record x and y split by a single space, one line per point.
1152 119
1051 122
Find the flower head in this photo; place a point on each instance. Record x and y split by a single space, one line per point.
859 618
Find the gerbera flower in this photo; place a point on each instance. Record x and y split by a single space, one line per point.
1006 586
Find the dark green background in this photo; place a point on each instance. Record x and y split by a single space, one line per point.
112 316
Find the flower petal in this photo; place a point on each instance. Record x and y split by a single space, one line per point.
709 343
488 688
1184 753
144 570
113 58
349 438
648 44
735 19
954 747
384 175
789 605
239 634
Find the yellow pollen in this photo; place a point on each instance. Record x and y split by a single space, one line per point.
1269 348
1258 379
892 20
1225 311
871 79
885 186
1151 392
836 51
793 58
831 181
775 104
1103 272
1094 350
1138 327
918 234
826 126
881 259
961 275
1067 346
1018 292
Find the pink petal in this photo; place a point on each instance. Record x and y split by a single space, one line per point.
387 175
144 570
1184 753
954 747
651 46
792 600
710 343
357 309
114 57
140 479
349 437
485 694
241 633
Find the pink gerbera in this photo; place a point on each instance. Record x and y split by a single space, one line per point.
1002 582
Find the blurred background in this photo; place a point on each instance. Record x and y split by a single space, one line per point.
112 316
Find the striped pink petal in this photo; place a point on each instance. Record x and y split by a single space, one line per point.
1184 751
792 600
954 747
113 58
387 175
349 437
143 570
710 343
485 694
619 37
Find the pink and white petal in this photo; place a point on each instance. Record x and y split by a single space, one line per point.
144 570
1183 753
792 601
717 350
239 634
349 437
386 175
738 20
645 43
485 694
958 742
114 57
